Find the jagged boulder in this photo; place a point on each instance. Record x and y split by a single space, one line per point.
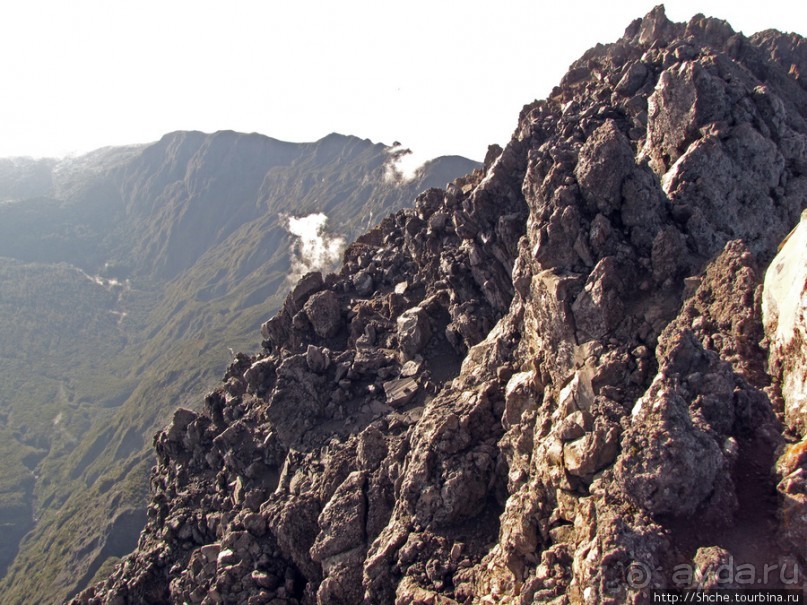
324 313
414 331
669 464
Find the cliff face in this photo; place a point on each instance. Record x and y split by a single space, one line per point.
549 382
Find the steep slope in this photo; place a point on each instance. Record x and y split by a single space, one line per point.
122 286
545 383
25 178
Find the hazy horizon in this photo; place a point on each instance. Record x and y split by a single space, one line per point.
443 78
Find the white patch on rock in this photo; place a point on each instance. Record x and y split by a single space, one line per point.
784 312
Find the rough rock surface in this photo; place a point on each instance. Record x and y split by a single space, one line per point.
784 308
546 383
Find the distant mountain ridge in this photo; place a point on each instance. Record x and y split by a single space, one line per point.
158 195
125 275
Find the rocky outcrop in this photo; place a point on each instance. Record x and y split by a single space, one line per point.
784 307
548 382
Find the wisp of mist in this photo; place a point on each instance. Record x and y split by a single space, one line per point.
313 249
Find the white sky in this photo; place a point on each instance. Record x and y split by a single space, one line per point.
440 76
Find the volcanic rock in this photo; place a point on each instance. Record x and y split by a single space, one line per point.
323 311
593 395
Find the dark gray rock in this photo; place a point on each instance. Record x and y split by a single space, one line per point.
318 359
400 392
325 314
414 331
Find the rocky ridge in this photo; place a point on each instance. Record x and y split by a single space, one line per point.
143 265
549 382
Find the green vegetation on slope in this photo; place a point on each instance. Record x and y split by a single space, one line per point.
194 228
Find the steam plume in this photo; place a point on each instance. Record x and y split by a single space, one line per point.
313 248
403 165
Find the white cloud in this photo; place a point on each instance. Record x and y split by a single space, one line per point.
314 249
403 164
